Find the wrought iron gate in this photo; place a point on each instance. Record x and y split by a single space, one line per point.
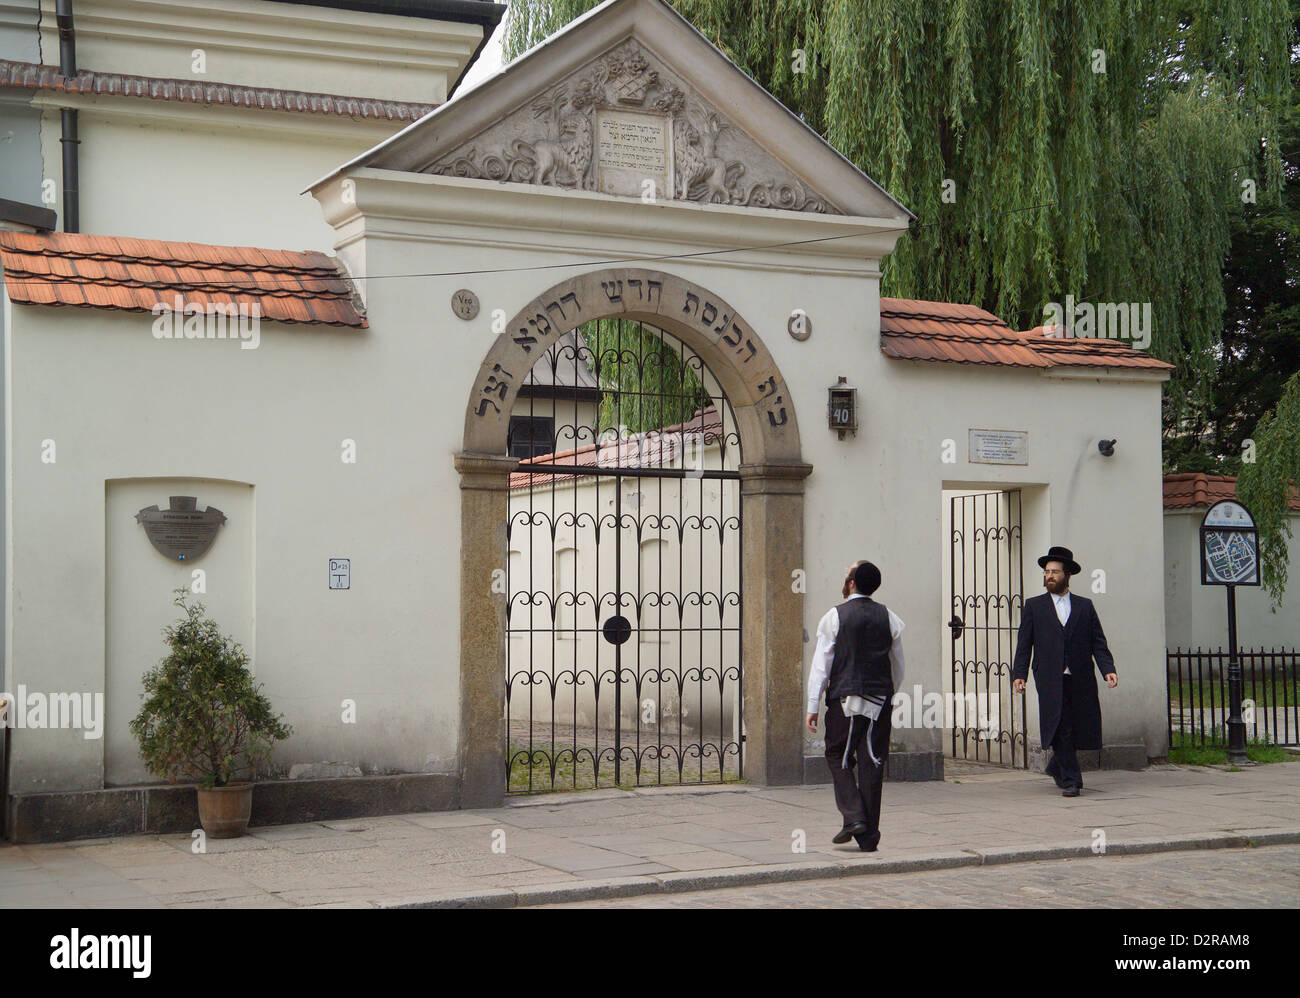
624 612
987 585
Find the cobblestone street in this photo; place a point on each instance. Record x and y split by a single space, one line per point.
1267 877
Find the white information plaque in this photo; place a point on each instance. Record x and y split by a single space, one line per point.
999 447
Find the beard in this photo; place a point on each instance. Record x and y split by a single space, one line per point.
1056 586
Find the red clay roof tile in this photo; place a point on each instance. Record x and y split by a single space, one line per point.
120 272
966 334
650 447
1189 490
35 76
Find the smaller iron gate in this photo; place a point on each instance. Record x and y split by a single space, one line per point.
1198 695
987 584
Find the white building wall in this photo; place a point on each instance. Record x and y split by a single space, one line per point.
259 44
158 169
196 174
275 419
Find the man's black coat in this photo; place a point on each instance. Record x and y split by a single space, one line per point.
1053 646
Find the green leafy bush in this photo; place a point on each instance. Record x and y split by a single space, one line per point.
203 717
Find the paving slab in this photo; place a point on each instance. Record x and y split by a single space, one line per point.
653 841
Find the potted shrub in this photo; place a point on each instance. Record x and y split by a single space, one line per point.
204 719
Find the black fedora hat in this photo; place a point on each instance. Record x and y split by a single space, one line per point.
1064 555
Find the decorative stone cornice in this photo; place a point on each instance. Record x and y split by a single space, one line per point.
485 472
774 478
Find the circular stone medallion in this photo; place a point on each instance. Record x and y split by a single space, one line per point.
465 304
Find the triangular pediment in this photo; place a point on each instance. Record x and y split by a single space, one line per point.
631 101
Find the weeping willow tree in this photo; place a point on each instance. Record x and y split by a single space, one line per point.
647 383
1267 484
1098 150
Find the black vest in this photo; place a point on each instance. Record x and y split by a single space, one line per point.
860 663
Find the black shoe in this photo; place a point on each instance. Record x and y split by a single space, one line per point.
868 843
849 831
1071 791
1053 770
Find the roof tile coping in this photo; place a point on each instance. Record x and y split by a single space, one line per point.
151 275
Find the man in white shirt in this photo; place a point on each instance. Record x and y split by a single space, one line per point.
859 663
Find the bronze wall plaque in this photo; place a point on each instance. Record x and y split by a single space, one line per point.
181 532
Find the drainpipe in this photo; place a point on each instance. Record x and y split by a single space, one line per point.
69 141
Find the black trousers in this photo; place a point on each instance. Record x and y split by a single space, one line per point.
857 794
1065 761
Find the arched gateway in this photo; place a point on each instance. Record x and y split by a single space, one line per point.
745 395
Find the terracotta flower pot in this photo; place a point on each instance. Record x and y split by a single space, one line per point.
224 811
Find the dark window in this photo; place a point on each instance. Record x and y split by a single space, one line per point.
531 436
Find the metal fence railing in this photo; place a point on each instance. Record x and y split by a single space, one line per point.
1198 695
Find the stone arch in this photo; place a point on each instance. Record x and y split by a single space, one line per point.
771 495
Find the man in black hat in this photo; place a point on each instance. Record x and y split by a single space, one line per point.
1063 633
859 662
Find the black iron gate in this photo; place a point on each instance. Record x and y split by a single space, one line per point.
623 620
987 585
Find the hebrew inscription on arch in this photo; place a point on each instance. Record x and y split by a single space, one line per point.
611 293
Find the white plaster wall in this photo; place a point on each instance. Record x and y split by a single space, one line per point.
252 43
1197 615
194 174
19 38
274 418
1106 510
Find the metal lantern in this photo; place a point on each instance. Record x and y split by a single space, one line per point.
842 408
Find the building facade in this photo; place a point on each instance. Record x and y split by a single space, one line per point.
624 171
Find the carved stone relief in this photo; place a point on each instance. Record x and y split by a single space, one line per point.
624 123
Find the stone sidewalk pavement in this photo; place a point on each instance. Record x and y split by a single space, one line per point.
615 843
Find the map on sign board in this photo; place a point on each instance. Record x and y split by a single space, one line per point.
1231 557
1229 546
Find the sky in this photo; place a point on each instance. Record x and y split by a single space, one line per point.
489 61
